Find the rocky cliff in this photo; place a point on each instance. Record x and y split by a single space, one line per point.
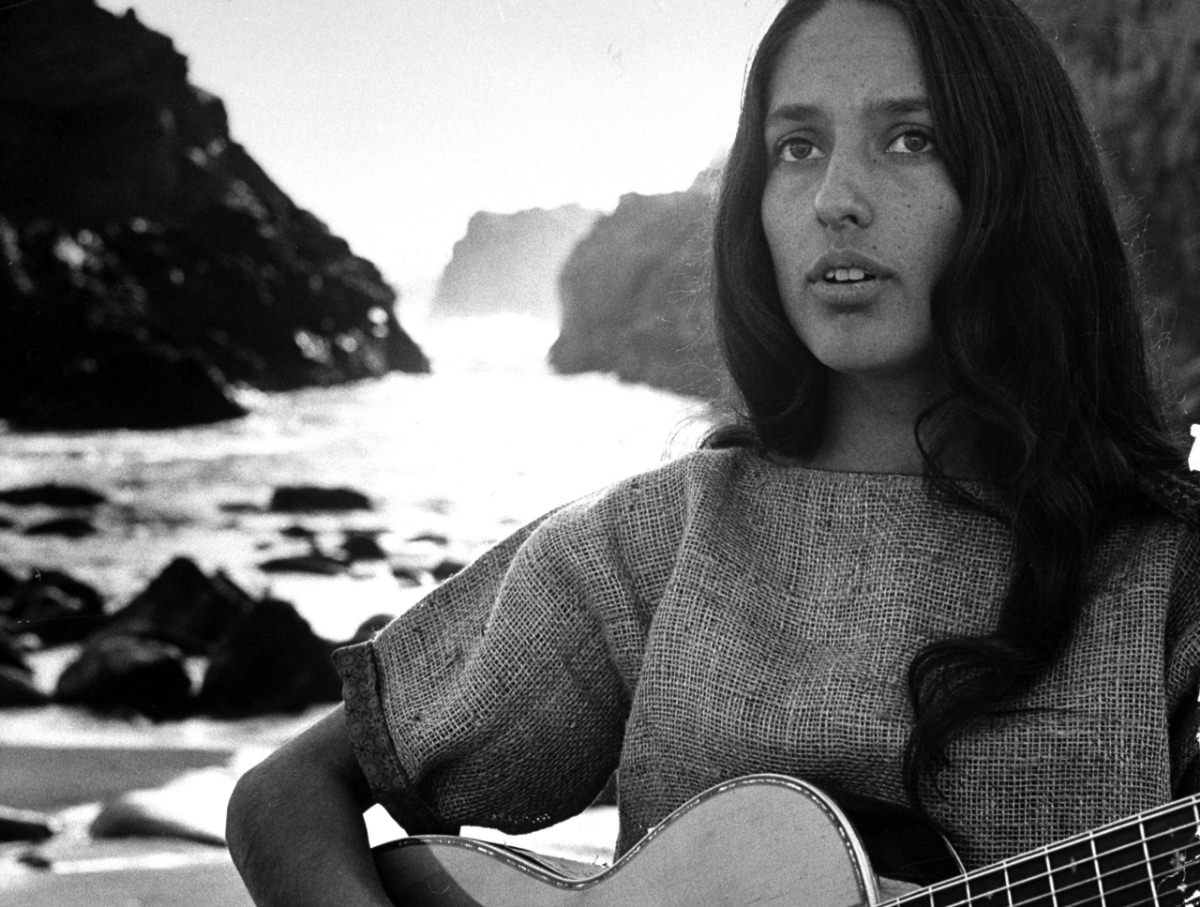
635 299
509 263
1137 68
148 261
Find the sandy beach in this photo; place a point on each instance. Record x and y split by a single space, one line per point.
182 793
73 785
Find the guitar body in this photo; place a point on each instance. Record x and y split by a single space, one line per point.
769 839
761 839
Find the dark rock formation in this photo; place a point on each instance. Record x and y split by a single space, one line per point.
271 661
185 607
25 825
314 564
1137 69
316 498
52 495
11 653
128 673
71 527
16 677
369 627
510 262
446 569
362 545
8 582
17 689
146 261
634 296
54 607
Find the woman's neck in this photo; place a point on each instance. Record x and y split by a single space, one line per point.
869 427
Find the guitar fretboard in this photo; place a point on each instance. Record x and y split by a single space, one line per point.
1150 859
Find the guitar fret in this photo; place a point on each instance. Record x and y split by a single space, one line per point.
1123 868
1050 879
1151 860
1029 881
1149 864
989 888
1096 870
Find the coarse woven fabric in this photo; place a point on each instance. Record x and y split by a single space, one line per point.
724 615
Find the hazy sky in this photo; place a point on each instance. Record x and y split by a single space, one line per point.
395 120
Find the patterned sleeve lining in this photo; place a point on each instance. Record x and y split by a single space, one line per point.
372 744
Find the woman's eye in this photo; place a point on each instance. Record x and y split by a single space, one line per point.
912 142
796 149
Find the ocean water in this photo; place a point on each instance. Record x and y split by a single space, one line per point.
489 441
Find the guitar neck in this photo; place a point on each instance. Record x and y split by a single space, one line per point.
1152 858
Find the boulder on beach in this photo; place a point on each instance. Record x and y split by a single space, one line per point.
25 825
509 263
363 545
635 301
8 582
369 627
316 499
128 673
17 687
147 262
70 527
52 495
183 606
12 654
18 690
270 661
53 606
314 564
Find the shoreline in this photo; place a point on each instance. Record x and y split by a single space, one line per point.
184 786
50 779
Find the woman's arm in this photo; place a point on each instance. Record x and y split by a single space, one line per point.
295 825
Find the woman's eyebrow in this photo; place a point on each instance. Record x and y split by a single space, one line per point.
881 107
899 106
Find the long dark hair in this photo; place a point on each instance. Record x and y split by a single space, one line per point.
1070 431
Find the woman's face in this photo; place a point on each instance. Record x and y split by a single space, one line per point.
858 208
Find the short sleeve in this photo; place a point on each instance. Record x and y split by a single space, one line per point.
1183 666
496 701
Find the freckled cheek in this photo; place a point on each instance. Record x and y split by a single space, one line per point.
792 247
940 225
784 240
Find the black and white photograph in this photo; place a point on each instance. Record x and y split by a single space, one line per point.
539 453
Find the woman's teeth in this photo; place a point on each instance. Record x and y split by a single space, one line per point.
847 275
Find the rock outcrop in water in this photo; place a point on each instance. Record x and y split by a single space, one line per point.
509 263
635 299
146 261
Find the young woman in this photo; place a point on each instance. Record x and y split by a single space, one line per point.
946 557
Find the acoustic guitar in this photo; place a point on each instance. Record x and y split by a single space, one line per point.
770 839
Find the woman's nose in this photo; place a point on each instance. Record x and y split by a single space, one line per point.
842 198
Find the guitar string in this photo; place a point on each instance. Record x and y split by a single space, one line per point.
1040 899
1003 867
1153 878
1104 894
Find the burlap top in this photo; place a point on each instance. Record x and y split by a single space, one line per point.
725 615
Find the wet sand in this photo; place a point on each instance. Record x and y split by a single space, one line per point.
189 786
